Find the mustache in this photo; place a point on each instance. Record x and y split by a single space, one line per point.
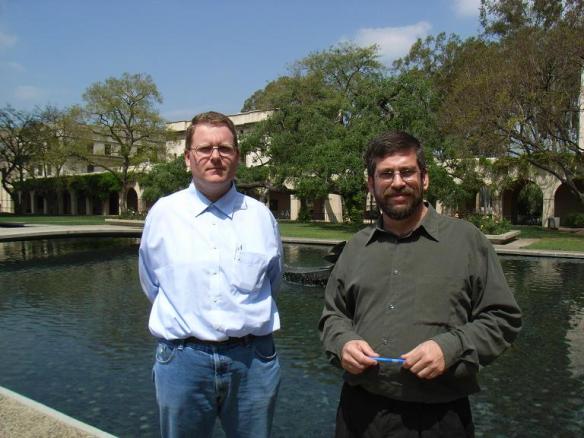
389 192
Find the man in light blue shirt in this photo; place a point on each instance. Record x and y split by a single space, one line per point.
211 263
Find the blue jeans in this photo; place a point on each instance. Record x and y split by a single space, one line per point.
196 383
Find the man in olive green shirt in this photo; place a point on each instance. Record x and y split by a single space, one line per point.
423 289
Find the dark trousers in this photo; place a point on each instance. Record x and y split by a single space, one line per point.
367 415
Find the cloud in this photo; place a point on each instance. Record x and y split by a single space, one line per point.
7 40
15 66
466 8
393 42
28 93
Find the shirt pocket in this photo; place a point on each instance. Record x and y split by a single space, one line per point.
250 271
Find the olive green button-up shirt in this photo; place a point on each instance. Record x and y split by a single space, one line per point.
442 282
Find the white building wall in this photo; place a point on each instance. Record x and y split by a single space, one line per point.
6 204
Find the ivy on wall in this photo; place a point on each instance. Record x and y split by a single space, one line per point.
98 185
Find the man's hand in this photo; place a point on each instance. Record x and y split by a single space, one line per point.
354 356
426 360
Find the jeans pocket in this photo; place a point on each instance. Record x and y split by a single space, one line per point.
265 349
165 352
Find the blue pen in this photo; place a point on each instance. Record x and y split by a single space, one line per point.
388 359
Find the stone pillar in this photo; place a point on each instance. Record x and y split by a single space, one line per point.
333 209
73 196
548 185
294 207
439 207
32 202
105 207
141 204
88 206
45 205
547 211
497 203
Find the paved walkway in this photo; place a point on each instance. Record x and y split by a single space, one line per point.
24 418
29 232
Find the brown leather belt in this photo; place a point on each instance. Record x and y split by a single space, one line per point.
243 340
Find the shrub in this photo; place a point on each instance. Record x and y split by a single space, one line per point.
490 224
573 220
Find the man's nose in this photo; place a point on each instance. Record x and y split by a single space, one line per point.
397 180
215 153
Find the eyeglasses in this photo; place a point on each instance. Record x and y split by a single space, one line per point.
207 151
405 174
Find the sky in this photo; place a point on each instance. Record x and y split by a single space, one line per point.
202 54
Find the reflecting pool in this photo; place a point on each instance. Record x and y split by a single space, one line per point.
73 332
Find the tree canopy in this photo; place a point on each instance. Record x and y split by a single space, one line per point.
327 109
515 92
20 137
123 111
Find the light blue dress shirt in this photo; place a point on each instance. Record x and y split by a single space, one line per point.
210 269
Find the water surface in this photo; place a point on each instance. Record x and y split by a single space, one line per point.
73 332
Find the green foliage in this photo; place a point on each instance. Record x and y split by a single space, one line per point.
99 185
514 91
328 108
574 220
489 224
132 215
530 200
124 110
164 179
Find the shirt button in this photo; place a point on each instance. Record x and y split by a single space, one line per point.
390 307
385 341
395 272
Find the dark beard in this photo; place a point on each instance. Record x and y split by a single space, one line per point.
402 213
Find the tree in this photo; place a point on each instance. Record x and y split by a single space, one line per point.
19 144
515 92
122 110
329 105
164 179
62 137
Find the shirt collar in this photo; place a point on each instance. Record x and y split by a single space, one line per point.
428 225
227 204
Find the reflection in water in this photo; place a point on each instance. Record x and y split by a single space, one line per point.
73 329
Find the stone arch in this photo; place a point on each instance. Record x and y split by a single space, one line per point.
566 202
517 207
132 199
114 203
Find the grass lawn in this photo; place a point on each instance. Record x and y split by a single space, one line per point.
56 220
551 239
559 244
317 230
554 240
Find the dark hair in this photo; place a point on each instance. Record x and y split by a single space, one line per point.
212 118
389 143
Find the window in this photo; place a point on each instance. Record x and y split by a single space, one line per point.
90 168
107 149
